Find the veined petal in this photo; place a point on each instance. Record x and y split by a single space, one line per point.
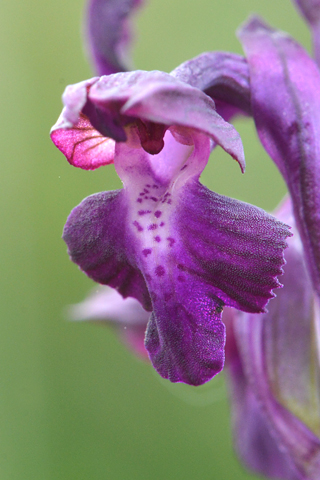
285 93
221 75
310 9
105 305
82 144
211 259
108 33
233 246
98 241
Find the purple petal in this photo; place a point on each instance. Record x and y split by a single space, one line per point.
221 75
293 326
107 306
202 255
285 90
233 246
185 336
310 9
281 361
82 145
253 437
109 34
99 243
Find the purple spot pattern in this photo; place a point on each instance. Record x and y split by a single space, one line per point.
153 226
137 224
160 271
145 224
171 241
144 212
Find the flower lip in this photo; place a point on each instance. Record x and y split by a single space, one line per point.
152 100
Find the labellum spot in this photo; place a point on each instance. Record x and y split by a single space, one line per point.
160 271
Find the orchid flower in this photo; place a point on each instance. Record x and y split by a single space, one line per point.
183 251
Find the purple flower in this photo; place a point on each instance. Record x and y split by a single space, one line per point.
181 250
273 362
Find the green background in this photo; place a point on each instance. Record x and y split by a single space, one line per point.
74 404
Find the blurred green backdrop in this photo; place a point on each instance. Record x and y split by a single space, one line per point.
74 404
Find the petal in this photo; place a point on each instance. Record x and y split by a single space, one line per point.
74 99
83 146
285 90
310 9
281 360
108 33
233 246
221 75
106 305
185 336
293 437
253 437
99 243
293 326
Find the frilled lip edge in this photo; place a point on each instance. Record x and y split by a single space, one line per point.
225 253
